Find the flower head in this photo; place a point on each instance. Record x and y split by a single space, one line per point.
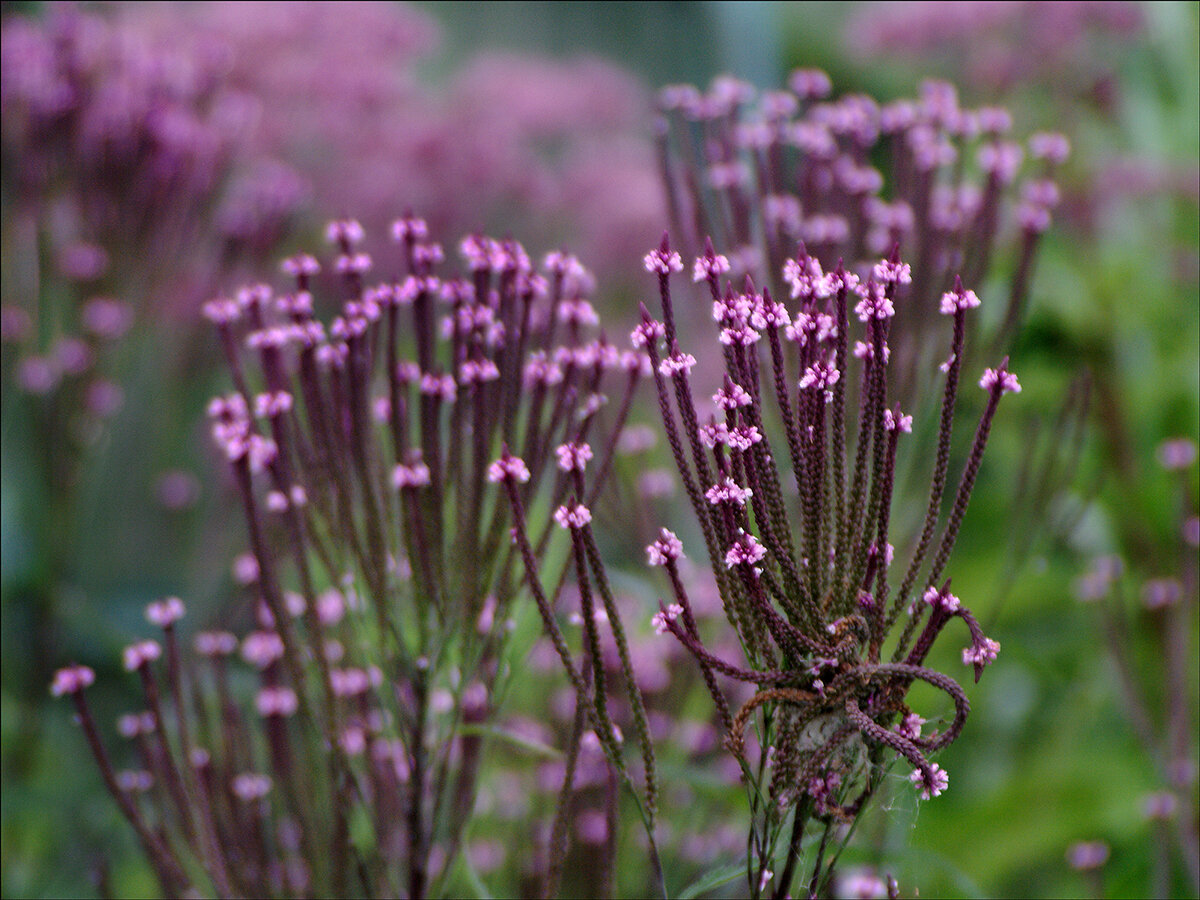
508 468
166 612
667 548
71 680
930 783
572 517
1000 381
139 655
668 614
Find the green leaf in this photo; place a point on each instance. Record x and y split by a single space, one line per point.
714 879
537 748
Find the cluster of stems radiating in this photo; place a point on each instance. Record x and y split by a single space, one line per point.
363 455
797 532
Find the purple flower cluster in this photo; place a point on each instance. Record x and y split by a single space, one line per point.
363 451
1000 45
337 95
851 178
121 144
808 594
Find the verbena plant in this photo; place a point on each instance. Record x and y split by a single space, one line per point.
404 471
363 454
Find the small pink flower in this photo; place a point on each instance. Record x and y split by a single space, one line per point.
573 456
728 491
647 334
807 280
910 726
810 84
666 549
141 654
262 648
300 264
347 231
71 680
1176 454
746 550
981 654
165 612
1087 855
1001 159
214 643
107 318
409 228
349 682
414 476
663 263
131 725
37 375
331 607
676 364
1159 593
732 397
245 568
572 517
660 619
739 334
477 371
260 451
276 701
272 404
933 784
250 786
946 602
743 437
1050 146
253 295
540 371
442 386
134 781
953 301
764 879
815 326
508 468
861 885
711 265
713 433
874 304
1160 806
894 422
1001 380
888 272
820 376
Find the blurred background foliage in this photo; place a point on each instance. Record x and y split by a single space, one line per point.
100 515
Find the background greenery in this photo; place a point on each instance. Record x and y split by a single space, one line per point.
1047 759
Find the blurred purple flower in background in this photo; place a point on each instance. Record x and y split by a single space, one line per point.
999 44
338 96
